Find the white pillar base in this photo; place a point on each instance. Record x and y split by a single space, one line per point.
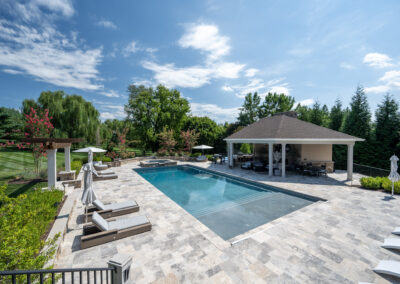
283 150
51 168
270 159
350 154
67 158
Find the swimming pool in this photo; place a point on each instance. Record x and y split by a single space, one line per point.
228 205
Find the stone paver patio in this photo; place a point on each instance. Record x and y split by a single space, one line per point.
337 241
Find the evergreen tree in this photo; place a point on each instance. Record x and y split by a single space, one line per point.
387 131
249 111
358 122
275 103
303 112
316 115
336 116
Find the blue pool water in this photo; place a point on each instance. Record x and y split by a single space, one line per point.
228 206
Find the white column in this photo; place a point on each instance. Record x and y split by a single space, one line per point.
67 157
350 161
230 154
270 158
51 167
283 160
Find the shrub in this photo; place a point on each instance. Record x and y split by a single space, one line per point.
209 157
106 159
195 155
23 223
387 185
371 182
76 165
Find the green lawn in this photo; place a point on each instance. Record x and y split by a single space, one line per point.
14 162
13 190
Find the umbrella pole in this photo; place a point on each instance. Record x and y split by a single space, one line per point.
86 214
392 188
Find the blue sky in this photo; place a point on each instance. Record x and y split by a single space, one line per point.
214 52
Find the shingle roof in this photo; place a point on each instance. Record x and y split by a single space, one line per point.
282 126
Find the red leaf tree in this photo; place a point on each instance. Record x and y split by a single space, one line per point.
189 139
38 125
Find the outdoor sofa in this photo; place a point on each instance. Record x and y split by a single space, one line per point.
247 165
258 166
102 231
99 166
201 159
111 210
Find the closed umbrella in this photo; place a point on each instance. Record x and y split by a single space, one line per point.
202 148
393 176
90 151
88 195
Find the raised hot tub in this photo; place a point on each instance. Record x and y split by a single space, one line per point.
157 163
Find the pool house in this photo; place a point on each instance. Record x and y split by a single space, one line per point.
295 141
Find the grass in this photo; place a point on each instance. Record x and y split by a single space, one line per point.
14 162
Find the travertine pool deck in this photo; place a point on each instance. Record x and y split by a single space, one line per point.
337 241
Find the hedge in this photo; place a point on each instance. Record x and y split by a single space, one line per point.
76 165
379 183
24 221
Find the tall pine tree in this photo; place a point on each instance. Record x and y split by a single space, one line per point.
336 116
387 132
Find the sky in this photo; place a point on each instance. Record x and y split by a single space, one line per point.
213 52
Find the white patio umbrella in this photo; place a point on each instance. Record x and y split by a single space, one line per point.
90 151
393 176
202 148
88 195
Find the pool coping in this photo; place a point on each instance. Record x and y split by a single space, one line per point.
214 237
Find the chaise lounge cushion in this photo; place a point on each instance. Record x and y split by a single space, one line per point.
122 224
389 267
99 205
99 221
391 243
114 206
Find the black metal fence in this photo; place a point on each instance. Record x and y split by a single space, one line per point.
370 171
68 275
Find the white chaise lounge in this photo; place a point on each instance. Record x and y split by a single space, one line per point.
396 231
391 243
388 267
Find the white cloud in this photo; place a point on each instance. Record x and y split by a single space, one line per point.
62 6
106 24
227 88
306 102
110 111
391 80
130 48
110 94
260 86
378 60
279 90
377 89
226 70
346 65
215 112
250 72
139 81
151 49
207 39
49 56
12 71
171 76
107 115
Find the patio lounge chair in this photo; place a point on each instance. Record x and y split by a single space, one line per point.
396 231
247 165
258 166
201 159
104 231
112 210
388 267
100 176
391 243
99 166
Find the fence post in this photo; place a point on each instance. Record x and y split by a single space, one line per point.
121 264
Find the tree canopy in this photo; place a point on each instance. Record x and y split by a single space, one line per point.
274 103
152 110
250 109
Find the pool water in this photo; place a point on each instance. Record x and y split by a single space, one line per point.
229 206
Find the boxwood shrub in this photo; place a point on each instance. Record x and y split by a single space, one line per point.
24 221
379 183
